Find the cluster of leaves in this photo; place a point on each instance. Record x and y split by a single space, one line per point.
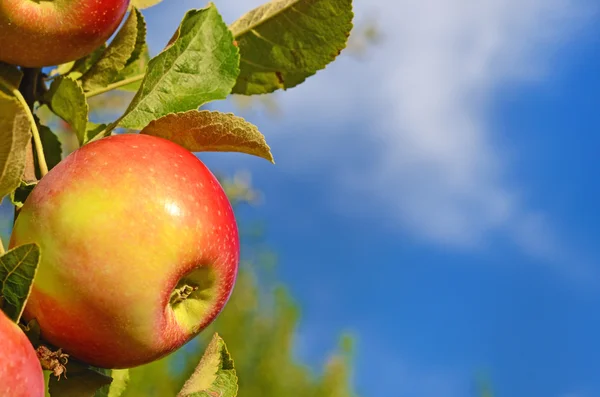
275 46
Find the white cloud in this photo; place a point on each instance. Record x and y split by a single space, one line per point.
441 165
427 154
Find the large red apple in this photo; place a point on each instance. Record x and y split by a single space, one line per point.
139 250
20 370
36 33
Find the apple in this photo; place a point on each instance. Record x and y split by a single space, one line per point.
139 250
21 373
36 33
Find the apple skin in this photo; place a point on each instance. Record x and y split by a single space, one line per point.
21 373
37 33
119 222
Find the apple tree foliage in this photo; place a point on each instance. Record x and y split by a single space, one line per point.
274 47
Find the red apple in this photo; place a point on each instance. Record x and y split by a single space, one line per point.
20 370
139 250
36 33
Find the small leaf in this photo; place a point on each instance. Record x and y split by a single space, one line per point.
62 69
80 381
200 65
137 63
114 59
215 374
118 386
140 40
141 4
20 194
17 271
67 100
207 131
10 76
93 129
84 64
15 134
283 42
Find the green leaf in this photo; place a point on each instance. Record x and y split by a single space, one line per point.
118 386
15 134
51 144
141 4
207 131
10 76
80 381
67 100
198 66
215 374
114 59
82 65
17 271
283 42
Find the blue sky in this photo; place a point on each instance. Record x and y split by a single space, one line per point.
437 196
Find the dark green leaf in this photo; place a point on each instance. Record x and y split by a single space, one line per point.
80 381
215 374
114 59
52 146
20 194
198 66
67 100
10 77
207 131
15 134
17 271
32 331
283 42
94 129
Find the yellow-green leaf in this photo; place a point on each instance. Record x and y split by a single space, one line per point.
208 131
215 374
141 4
15 134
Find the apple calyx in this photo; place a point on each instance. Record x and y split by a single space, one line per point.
194 296
180 294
